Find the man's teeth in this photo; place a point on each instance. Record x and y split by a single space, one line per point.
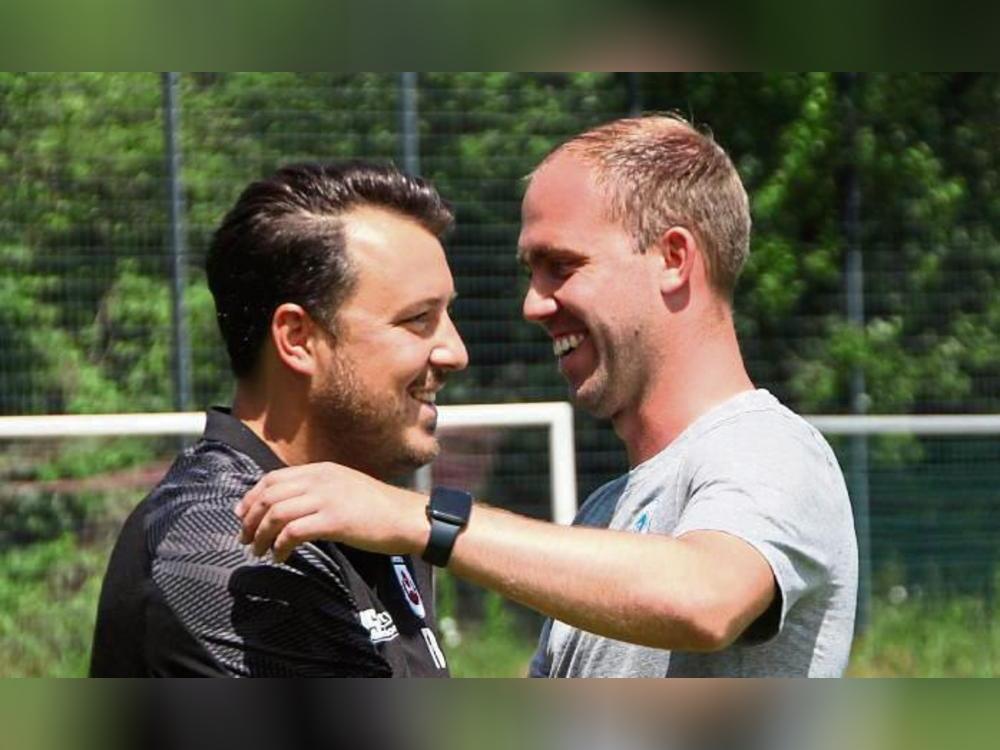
427 398
565 344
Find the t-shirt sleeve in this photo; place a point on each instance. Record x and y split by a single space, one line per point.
776 492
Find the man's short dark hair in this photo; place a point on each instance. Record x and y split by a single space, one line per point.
284 241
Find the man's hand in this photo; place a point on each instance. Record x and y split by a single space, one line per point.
332 502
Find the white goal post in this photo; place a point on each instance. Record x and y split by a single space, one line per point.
556 416
907 424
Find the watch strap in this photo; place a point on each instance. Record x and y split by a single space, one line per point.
448 512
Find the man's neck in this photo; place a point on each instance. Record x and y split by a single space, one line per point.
703 369
282 427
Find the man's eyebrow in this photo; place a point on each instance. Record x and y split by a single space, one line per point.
428 302
551 252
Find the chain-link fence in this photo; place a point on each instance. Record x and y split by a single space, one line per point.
881 189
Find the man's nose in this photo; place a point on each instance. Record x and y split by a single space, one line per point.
537 305
449 351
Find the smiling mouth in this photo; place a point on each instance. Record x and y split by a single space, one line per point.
425 397
563 345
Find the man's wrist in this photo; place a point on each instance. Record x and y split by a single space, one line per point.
413 534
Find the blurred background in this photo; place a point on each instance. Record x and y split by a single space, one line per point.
873 287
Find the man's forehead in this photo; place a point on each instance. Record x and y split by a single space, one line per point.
399 262
379 237
562 214
371 224
564 189
566 171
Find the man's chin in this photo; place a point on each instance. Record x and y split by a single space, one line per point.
402 469
591 400
421 452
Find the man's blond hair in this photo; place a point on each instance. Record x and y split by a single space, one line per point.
659 172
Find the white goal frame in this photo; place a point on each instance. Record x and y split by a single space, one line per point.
556 416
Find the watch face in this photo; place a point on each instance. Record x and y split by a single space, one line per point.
449 518
450 506
448 511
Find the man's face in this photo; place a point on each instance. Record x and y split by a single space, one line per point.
393 347
594 295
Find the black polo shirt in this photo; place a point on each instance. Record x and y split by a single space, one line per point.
183 597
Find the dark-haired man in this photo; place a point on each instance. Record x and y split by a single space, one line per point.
728 549
332 293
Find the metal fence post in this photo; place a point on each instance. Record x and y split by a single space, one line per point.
634 94
409 155
409 124
855 308
177 242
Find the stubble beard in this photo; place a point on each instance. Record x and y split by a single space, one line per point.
605 391
366 430
590 395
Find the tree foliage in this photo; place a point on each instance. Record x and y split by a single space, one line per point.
85 309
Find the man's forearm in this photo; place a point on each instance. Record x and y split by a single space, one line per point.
647 589
694 593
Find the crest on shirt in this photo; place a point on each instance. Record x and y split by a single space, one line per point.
408 586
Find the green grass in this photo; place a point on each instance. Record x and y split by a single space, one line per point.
48 600
493 647
955 637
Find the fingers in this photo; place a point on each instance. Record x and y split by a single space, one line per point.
279 516
337 500
277 506
265 482
268 492
302 529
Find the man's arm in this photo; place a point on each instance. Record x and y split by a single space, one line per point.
695 593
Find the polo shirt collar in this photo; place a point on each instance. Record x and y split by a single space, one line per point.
223 427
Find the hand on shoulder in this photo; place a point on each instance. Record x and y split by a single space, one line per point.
298 504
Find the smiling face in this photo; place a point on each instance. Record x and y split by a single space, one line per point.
394 345
594 295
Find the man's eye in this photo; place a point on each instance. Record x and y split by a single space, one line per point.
419 318
561 268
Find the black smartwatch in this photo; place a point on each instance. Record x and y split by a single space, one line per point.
448 511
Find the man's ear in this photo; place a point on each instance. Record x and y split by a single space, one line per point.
294 335
678 249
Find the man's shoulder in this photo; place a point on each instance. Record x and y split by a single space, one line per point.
201 487
759 427
749 408
767 452
206 473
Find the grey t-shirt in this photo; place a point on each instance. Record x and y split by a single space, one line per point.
751 468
